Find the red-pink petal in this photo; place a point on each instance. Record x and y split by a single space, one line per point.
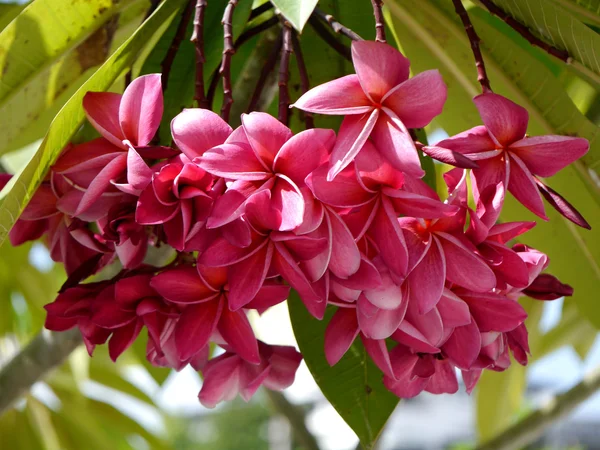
341 96
232 161
181 285
141 109
344 191
426 281
196 130
493 312
266 136
345 257
102 110
383 323
523 186
195 326
463 345
415 205
475 140
504 119
247 277
340 334
387 235
237 332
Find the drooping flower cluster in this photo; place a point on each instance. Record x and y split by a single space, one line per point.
429 286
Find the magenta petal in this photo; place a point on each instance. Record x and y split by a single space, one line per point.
344 191
221 380
378 352
233 161
354 132
340 334
463 345
150 211
345 257
394 142
512 269
141 109
475 140
181 285
266 136
247 277
303 153
426 281
464 267
505 120
383 323
222 253
387 235
237 332
443 380
268 295
453 310
546 155
195 326
41 205
559 203
230 205
448 156
419 99
493 312
379 67
288 201
196 130
504 232
102 110
523 186
139 175
341 96
122 339
415 205
388 296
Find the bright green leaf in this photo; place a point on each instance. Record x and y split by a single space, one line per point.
587 11
296 12
19 192
353 386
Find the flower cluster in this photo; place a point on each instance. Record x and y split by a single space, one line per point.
429 286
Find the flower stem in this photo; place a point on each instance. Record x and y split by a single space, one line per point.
167 62
304 82
379 22
228 51
284 74
482 77
198 40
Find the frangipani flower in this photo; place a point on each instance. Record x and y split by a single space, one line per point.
378 101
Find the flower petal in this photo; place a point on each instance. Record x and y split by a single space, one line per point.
340 334
344 191
494 312
247 276
342 96
523 186
504 119
234 162
102 110
141 109
195 326
426 281
266 136
181 285
196 130
237 332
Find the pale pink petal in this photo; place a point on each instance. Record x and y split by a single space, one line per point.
288 201
237 332
247 277
394 142
303 153
354 132
340 334
379 66
387 296
232 161
464 267
419 99
504 119
102 110
196 130
141 109
426 281
344 191
195 326
266 136
383 322
339 97
523 186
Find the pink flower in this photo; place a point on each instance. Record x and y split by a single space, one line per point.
507 158
379 101
228 375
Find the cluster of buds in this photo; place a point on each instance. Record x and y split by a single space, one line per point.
428 285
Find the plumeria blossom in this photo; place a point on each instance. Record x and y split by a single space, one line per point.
429 286
380 101
507 158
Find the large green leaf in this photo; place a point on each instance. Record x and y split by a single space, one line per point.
21 188
587 11
296 12
353 386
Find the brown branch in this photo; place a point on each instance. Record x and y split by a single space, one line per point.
379 21
284 74
167 63
228 51
45 352
198 40
335 25
330 39
475 40
304 83
525 32
264 74
244 37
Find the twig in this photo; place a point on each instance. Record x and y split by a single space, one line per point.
284 74
228 51
244 37
167 63
330 39
304 83
379 21
524 31
531 427
295 417
45 352
336 26
198 40
264 74
260 10
475 40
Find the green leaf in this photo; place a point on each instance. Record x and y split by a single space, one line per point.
296 12
21 188
354 385
8 11
587 11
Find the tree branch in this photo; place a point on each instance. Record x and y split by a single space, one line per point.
167 62
379 21
524 31
335 25
45 352
329 39
475 40
295 417
228 51
198 40
304 82
284 74
530 428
